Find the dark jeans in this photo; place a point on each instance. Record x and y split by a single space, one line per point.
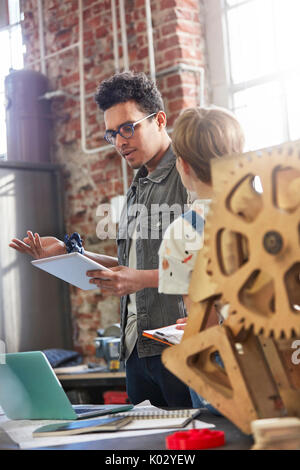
200 402
148 379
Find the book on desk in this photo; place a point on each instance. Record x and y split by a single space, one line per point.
82 427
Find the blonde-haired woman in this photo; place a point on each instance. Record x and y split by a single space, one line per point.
200 135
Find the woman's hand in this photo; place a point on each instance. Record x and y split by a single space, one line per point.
39 247
181 322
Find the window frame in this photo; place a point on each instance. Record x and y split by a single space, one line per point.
223 87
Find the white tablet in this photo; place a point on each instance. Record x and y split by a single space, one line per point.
71 268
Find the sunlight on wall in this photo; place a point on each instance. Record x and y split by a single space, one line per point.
9 278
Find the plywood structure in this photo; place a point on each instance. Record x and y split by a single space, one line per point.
249 270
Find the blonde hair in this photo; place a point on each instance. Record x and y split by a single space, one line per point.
201 134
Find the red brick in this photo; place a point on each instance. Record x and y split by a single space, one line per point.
143 53
112 174
185 15
188 53
141 26
69 79
100 164
174 93
139 3
176 105
169 28
101 32
169 42
174 80
190 4
188 27
173 54
168 4
91 87
88 35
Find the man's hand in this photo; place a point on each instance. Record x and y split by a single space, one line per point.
122 280
39 247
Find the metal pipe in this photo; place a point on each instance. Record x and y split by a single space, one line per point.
41 37
81 88
150 40
124 36
126 68
115 35
82 103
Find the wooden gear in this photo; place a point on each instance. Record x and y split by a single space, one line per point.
250 263
260 284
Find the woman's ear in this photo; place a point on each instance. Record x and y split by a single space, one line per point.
182 165
186 167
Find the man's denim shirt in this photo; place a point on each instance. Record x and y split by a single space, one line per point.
153 202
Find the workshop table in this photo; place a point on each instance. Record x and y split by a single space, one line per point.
235 439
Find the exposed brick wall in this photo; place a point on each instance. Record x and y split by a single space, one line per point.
92 179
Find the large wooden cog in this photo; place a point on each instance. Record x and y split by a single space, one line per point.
252 239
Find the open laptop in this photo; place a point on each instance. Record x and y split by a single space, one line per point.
29 389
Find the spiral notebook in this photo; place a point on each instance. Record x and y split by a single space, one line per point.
150 417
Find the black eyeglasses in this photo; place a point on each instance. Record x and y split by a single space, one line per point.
125 130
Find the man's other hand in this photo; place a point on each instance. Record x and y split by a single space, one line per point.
122 280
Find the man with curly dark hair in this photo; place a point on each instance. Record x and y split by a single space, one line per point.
125 99
127 86
136 126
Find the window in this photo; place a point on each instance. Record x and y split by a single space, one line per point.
11 58
259 72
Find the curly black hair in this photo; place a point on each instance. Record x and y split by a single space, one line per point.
127 86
